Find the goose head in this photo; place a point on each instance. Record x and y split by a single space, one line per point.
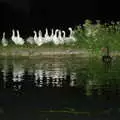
35 33
70 28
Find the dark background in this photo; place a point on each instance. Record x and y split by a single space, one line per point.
27 15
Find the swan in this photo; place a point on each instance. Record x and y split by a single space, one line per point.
20 39
4 41
71 37
55 38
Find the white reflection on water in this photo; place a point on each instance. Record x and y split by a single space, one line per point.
54 75
18 72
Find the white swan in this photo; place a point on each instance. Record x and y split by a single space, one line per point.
20 39
55 38
4 41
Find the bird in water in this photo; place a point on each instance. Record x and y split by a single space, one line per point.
106 58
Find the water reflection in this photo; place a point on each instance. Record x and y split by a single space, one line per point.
91 77
17 76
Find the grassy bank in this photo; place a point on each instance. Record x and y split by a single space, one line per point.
91 41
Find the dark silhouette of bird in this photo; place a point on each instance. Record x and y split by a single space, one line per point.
106 58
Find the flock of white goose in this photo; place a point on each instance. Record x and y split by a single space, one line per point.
57 37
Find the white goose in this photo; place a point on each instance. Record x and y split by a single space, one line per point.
40 39
71 37
52 34
14 38
35 37
30 40
60 38
4 41
46 36
55 38
20 39
66 39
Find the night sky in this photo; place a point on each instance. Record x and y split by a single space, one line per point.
27 15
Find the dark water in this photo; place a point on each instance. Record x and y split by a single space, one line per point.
73 88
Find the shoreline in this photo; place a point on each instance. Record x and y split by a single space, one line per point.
50 52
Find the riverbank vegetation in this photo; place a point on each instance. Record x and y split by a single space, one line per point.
93 38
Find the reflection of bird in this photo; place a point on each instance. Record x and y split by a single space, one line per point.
4 41
107 58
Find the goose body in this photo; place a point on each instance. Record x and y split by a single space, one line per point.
40 39
35 37
60 38
66 39
14 38
17 39
30 40
46 36
52 34
55 38
20 39
71 37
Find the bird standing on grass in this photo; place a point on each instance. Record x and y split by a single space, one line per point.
4 40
